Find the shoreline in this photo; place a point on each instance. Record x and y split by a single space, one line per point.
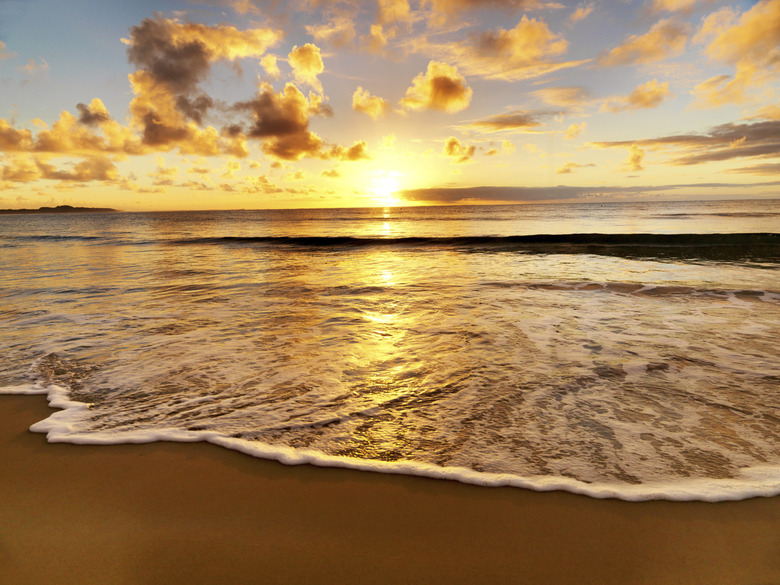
199 513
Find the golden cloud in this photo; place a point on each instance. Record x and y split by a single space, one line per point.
13 140
582 12
374 106
4 52
22 169
358 151
648 95
666 38
518 120
568 97
751 44
393 11
459 151
269 63
724 142
307 64
92 168
510 55
635 157
677 5
574 131
441 87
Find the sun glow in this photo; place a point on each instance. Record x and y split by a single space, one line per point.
384 188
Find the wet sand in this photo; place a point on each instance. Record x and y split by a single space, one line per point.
195 513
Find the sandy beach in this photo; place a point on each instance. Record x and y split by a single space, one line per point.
197 513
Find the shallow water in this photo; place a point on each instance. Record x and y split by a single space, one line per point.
429 340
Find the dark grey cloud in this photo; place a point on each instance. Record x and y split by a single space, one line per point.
552 193
724 142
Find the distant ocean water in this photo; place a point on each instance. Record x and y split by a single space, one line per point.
622 350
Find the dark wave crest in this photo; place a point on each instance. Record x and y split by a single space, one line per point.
764 247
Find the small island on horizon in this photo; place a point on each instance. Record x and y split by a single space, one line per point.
58 209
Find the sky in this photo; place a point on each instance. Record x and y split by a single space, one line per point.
250 104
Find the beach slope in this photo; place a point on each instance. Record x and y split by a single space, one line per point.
196 513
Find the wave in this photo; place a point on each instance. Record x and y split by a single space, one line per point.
757 481
737 246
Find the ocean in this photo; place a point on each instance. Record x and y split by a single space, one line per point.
625 350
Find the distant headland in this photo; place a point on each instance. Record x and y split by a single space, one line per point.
58 209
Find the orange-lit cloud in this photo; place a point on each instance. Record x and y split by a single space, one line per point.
568 97
523 52
751 45
358 151
570 167
374 106
724 142
667 38
307 64
574 130
282 120
445 8
635 157
458 151
512 121
390 11
648 95
32 68
677 5
441 87
175 58
271 66
582 12
5 53
338 31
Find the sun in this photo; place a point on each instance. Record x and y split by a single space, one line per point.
384 188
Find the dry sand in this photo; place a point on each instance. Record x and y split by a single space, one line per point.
173 513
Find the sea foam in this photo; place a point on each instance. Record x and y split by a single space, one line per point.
759 481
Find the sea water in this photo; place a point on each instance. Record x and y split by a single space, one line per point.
622 350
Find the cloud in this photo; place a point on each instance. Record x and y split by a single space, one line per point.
374 106
282 121
568 97
574 131
307 64
750 44
460 152
448 8
5 53
441 87
175 58
338 29
92 168
390 11
570 167
677 5
13 140
33 68
763 169
517 120
358 151
582 12
667 38
558 192
269 63
635 157
22 169
94 114
723 142
648 95
523 52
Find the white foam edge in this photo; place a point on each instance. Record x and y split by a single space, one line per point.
763 481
